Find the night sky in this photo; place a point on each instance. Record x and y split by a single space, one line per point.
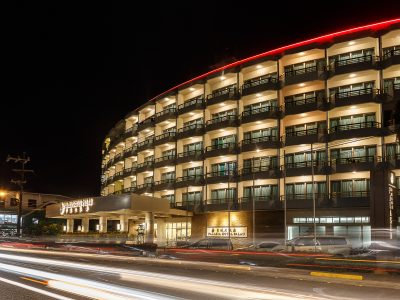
73 71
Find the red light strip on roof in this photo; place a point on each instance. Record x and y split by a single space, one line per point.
320 39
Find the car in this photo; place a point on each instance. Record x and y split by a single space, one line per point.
211 244
336 245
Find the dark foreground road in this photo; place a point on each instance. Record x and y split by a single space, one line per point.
42 275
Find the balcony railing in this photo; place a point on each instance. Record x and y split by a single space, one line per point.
355 60
196 102
294 103
145 185
256 111
145 164
391 53
258 169
131 151
305 164
230 145
255 140
145 143
149 122
168 111
291 73
221 119
253 83
165 135
350 194
368 124
311 131
224 173
190 153
165 158
355 159
191 127
227 93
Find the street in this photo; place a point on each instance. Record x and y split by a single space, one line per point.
50 275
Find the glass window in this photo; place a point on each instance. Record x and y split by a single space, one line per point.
32 203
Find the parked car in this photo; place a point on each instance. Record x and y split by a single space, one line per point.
212 244
335 245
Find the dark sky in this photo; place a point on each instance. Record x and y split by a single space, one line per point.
72 71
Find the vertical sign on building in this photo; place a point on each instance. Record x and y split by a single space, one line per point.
391 203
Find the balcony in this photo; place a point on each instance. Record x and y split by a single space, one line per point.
258 114
305 168
110 179
351 199
166 114
188 156
145 145
119 175
221 176
147 123
196 205
355 97
146 166
115 141
301 201
131 151
352 65
222 204
263 142
355 130
304 75
130 171
145 188
168 160
259 172
221 95
221 149
260 85
191 180
165 184
129 190
394 161
260 203
132 131
222 122
391 58
192 104
189 131
355 163
306 136
317 102
165 138
118 157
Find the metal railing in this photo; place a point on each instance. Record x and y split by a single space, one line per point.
355 159
145 164
258 199
190 153
305 132
361 125
166 111
393 52
190 178
355 60
267 138
146 142
259 110
165 135
306 164
259 81
191 127
193 101
299 102
222 119
165 157
257 169
229 172
231 145
291 73
350 194
222 91
354 93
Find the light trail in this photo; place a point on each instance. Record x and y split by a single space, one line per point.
183 283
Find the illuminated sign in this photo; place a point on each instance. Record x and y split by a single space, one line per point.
392 214
223 231
76 206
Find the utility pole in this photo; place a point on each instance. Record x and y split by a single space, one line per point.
20 182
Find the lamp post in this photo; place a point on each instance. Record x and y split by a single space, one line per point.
254 204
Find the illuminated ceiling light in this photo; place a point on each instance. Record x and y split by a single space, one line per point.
221 130
222 77
222 104
259 66
258 150
354 172
258 122
190 162
131 176
221 156
353 107
301 53
302 145
191 113
352 75
302 84
303 114
191 89
351 43
167 122
258 95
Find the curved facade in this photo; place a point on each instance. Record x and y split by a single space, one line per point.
261 130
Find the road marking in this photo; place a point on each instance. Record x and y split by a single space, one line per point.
33 289
35 280
337 275
360 260
247 268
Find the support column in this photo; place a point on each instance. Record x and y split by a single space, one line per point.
70 225
103 224
85 225
123 221
161 238
149 233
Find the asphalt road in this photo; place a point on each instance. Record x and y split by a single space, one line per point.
97 277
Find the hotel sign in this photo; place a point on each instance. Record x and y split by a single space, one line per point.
76 206
392 210
223 231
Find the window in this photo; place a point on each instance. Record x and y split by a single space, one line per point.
32 203
193 172
168 153
223 142
170 106
303 159
224 115
168 176
354 154
170 198
260 107
193 123
192 197
306 129
302 68
257 164
14 202
261 134
149 158
352 57
352 122
170 129
261 192
304 98
193 147
148 180
390 51
224 90
356 89
304 190
350 188
222 195
222 169
2 204
255 81
391 84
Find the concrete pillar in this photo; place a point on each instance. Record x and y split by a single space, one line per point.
149 233
123 221
103 224
85 225
161 236
70 225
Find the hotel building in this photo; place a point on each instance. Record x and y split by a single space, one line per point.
255 145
